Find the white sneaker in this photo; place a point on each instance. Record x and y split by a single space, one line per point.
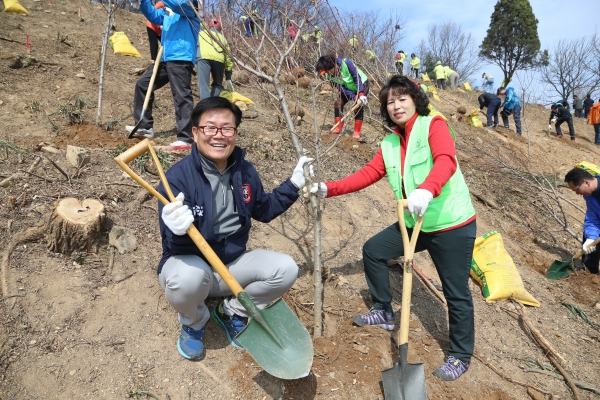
147 133
181 145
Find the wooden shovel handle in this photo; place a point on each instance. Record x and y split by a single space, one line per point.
153 78
582 252
214 260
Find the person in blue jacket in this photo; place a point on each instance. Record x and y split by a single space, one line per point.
220 193
179 40
585 184
511 105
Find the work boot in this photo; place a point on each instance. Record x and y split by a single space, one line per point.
378 318
233 324
357 127
190 344
338 129
572 137
147 133
452 369
559 135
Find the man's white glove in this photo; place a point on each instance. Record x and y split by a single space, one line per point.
553 120
319 188
229 85
177 216
549 127
418 201
298 174
587 249
363 100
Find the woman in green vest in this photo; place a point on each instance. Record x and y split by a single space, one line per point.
419 159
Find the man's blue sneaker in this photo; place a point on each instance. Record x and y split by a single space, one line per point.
190 344
233 324
377 318
451 369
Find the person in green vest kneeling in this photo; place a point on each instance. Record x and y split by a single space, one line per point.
419 159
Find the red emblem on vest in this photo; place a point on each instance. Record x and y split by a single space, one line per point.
246 193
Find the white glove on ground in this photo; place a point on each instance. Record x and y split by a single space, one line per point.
319 187
549 127
298 174
229 85
587 249
177 216
363 100
418 201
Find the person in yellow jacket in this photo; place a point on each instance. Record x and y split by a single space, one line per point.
353 42
440 75
399 61
370 55
213 59
415 64
453 77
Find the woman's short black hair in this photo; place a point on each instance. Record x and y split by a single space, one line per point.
211 103
413 55
325 63
398 85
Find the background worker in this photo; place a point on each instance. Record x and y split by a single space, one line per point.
440 75
249 24
585 184
594 119
154 32
578 106
220 193
492 102
415 64
213 60
179 39
399 61
370 55
587 104
488 83
452 76
559 115
511 105
352 84
419 159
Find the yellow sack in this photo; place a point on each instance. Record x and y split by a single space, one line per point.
467 86
425 77
474 119
13 6
121 45
434 111
435 95
460 90
589 167
235 96
495 271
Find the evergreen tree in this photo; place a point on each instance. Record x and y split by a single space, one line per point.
512 40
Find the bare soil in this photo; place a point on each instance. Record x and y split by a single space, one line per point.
87 327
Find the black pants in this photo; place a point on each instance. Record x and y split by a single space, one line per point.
441 84
569 121
153 40
592 260
492 111
345 99
179 75
400 68
451 252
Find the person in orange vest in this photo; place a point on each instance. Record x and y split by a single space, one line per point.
154 33
594 119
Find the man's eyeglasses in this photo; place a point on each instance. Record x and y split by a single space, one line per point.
226 131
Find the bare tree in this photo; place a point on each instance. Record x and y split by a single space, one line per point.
573 67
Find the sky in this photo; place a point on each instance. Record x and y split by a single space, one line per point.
558 19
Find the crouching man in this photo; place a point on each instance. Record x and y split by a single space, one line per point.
220 192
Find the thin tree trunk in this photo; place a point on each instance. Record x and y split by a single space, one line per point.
102 61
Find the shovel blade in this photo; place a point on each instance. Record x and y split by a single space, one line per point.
137 126
404 383
559 269
295 359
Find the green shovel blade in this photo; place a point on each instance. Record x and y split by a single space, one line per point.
559 269
290 360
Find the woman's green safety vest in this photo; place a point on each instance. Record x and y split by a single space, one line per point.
453 206
345 78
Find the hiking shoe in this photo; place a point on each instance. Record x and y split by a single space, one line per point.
181 145
495 126
572 137
559 135
190 344
233 324
147 133
377 318
452 369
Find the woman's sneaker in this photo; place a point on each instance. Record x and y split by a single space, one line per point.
233 324
190 344
377 318
451 369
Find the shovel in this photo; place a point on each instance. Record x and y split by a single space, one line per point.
148 93
274 336
405 381
562 269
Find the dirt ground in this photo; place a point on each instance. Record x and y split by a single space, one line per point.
98 326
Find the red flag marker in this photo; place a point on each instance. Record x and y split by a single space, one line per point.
79 13
27 44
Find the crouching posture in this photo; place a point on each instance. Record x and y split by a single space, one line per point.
220 192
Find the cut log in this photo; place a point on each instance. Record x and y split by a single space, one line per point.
76 226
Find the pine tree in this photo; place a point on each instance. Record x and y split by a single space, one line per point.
512 40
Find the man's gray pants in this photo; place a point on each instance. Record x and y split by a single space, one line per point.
454 81
204 69
188 280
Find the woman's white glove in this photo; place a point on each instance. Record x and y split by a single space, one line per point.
229 85
418 201
177 216
363 100
319 187
587 249
298 174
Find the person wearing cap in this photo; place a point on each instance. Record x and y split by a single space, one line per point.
488 83
352 84
415 64
511 105
440 75
558 115
399 61
370 55
492 102
213 59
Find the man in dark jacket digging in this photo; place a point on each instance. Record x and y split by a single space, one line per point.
559 115
492 102
220 193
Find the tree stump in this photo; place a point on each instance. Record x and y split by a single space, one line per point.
75 226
